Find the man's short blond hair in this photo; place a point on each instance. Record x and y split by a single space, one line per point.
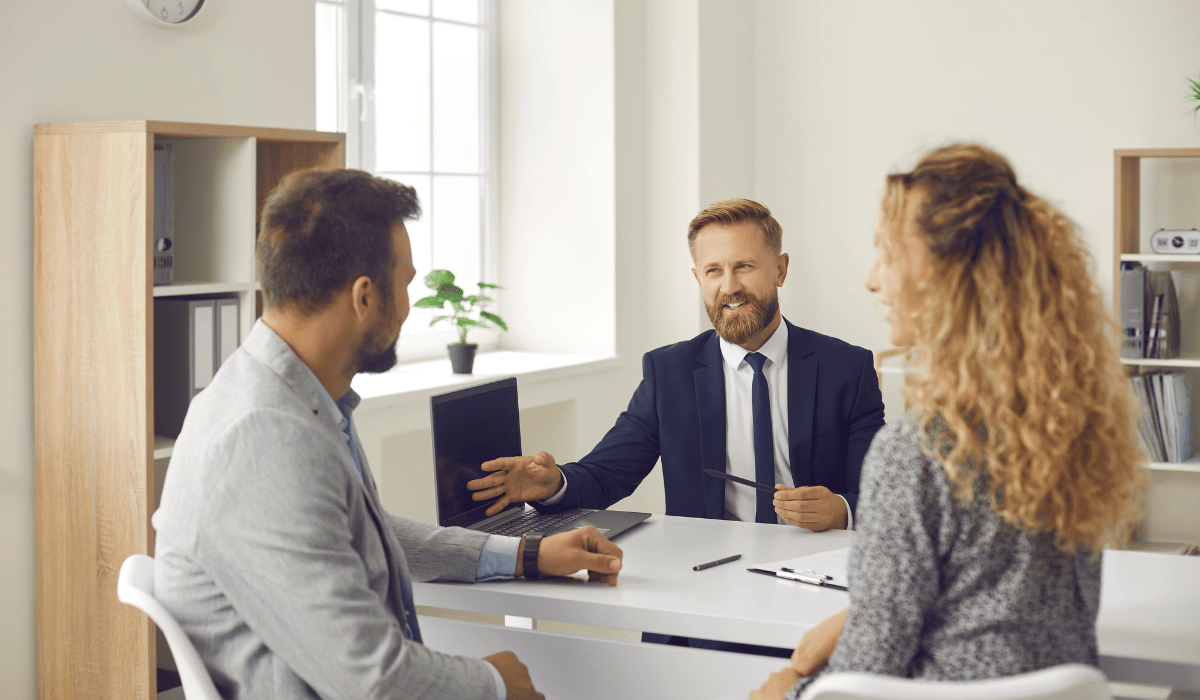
734 211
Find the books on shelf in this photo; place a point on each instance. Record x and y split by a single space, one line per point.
1149 313
192 337
163 241
1162 338
1133 313
1164 428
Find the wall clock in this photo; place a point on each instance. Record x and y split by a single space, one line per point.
166 13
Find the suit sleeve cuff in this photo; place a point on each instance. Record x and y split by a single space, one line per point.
849 513
501 691
557 498
498 560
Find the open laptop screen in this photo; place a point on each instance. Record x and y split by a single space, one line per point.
471 426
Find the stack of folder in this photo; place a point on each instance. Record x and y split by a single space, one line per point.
1164 429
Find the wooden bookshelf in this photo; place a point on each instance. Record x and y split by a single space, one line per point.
1168 516
94 444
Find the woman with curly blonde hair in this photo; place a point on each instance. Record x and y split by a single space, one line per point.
985 509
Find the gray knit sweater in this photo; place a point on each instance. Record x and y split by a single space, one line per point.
944 590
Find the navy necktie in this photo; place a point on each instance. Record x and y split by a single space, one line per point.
764 444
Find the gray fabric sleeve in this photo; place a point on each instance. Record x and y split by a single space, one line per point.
281 548
893 569
437 553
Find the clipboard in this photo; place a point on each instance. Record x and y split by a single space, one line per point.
825 569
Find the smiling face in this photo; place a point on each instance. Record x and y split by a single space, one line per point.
739 275
901 270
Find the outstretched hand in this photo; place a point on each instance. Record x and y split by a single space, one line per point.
567 552
517 479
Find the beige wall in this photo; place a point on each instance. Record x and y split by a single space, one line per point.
245 63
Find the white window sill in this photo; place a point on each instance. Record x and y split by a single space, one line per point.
417 381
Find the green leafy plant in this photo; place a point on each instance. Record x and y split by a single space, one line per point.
1194 83
467 311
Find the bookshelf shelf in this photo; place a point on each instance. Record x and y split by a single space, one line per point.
1192 465
1159 362
163 446
188 288
98 464
1154 258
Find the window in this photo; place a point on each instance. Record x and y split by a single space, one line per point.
411 84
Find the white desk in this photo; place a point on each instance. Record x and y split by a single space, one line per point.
1149 626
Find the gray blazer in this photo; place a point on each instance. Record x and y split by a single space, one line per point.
280 562
946 590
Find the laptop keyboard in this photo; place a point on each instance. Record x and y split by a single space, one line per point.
533 521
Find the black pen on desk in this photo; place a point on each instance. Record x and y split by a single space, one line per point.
709 565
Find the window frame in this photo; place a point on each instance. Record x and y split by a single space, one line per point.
356 117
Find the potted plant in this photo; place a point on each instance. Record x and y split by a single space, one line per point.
1194 84
467 311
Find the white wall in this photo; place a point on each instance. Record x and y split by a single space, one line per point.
850 91
248 63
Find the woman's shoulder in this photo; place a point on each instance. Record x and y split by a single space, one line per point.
900 463
898 442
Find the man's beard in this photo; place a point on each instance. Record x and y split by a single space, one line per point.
739 328
376 355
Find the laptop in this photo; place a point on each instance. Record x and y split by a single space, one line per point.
479 423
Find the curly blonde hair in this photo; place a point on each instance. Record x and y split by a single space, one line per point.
1020 374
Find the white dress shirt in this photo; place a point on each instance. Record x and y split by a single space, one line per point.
741 502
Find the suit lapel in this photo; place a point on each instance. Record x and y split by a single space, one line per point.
802 401
709 380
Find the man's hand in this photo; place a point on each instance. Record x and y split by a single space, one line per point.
817 645
567 552
813 507
517 479
777 685
516 677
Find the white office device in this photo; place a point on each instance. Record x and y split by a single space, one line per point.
1172 241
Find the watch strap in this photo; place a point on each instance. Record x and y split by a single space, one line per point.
529 556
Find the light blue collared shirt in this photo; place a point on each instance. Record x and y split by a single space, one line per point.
497 561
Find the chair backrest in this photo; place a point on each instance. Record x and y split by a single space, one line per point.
1065 682
135 586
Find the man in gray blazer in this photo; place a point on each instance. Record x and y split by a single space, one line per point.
273 550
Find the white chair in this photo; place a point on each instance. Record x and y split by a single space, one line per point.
135 586
1065 682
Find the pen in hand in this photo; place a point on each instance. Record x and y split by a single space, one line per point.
709 565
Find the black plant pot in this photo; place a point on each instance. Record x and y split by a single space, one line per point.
462 357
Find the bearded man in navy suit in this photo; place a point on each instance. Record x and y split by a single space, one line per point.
804 428
695 409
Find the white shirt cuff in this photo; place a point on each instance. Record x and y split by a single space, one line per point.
501 691
557 498
849 513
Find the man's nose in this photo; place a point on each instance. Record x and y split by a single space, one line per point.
730 284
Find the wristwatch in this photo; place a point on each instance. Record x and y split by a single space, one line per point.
533 542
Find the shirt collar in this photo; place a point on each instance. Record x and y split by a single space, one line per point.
340 409
775 348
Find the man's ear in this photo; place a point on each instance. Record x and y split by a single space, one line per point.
364 297
697 276
781 269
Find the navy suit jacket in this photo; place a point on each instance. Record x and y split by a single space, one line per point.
678 414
